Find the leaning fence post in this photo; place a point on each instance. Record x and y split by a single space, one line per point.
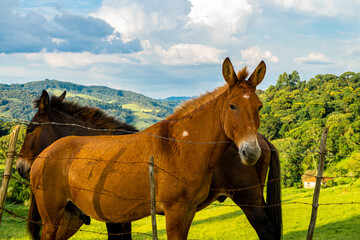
318 184
152 196
10 154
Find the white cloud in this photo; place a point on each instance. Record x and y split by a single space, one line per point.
12 71
314 58
136 19
128 20
141 19
254 55
224 17
179 54
58 41
351 48
73 60
330 8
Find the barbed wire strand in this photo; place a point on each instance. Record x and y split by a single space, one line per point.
112 194
70 228
132 132
212 205
162 137
222 189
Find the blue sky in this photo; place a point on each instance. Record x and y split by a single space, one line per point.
174 48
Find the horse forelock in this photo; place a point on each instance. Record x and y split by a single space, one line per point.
87 114
243 74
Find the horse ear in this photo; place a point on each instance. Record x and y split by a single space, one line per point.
229 73
258 75
44 101
62 96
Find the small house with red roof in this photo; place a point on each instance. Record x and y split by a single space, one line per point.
311 182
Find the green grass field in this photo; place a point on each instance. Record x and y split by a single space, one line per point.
143 116
227 221
136 108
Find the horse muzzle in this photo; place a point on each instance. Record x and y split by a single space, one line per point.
23 168
249 152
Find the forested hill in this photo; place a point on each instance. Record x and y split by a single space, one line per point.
134 108
294 113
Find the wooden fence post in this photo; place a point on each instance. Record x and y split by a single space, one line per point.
10 154
152 196
315 204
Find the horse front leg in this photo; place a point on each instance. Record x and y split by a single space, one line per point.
48 231
254 208
178 220
119 231
51 213
51 221
70 224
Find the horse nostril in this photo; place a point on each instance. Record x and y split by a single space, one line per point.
19 170
244 153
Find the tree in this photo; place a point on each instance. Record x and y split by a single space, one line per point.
338 125
291 155
17 191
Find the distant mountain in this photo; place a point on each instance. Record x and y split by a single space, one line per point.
172 98
130 107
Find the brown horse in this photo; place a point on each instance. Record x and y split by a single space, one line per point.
104 177
227 175
232 175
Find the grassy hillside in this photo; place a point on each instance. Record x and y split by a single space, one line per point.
58 92
136 108
127 106
227 221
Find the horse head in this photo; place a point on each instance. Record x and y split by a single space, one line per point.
241 118
38 136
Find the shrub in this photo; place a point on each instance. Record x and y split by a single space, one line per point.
331 183
17 192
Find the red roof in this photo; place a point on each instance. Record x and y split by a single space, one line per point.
313 179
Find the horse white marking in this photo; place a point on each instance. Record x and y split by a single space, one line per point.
247 96
185 134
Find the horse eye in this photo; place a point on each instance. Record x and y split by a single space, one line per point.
232 107
29 130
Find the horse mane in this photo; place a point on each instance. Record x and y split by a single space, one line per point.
195 103
90 115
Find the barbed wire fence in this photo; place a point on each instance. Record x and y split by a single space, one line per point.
7 175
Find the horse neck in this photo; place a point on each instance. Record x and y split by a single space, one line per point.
202 125
210 119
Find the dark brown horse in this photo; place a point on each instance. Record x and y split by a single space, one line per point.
229 174
56 118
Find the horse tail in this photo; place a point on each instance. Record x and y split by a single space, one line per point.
273 193
33 224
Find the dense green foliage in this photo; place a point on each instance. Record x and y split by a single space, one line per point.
295 112
17 191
